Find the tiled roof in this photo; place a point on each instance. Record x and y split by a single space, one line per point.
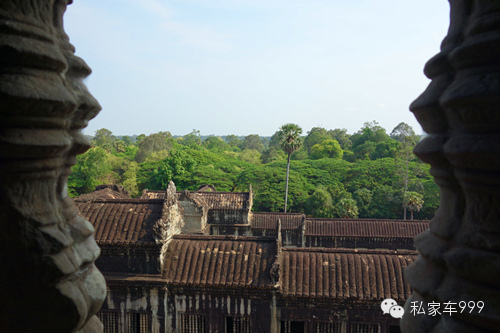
289 221
122 221
343 273
153 194
225 200
365 228
214 200
220 261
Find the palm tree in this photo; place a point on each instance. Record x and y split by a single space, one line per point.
414 201
291 141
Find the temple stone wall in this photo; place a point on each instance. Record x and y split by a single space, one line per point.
130 259
134 308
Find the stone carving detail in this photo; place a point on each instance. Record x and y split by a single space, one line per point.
48 281
171 222
459 256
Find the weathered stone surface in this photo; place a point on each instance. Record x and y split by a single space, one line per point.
459 258
171 221
48 281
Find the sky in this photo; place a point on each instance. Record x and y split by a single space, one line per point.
249 66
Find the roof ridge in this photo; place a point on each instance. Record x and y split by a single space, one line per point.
349 250
226 237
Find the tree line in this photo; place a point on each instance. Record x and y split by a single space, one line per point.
325 173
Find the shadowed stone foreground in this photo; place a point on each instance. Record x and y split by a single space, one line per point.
48 280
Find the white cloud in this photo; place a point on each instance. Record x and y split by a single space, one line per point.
155 7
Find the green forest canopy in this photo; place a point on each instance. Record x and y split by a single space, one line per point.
367 174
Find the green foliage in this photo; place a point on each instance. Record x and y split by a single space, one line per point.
275 141
369 174
326 172
268 185
119 146
157 175
129 179
289 137
413 201
342 137
371 131
320 203
129 154
386 148
300 154
215 143
369 180
327 149
191 139
272 154
363 198
126 139
364 151
254 142
103 138
139 139
404 133
233 141
152 144
347 208
371 142
90 170
250 156
291 141
431 199
404 158
385 203
315 137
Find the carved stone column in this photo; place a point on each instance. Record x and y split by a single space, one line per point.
48 281
460 255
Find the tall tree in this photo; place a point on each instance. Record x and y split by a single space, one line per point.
253 141
290 141
315 137
414 201
328 148
347 208
215 143
233 141
88 172
404 134
154 143
192 138
342 137
103 138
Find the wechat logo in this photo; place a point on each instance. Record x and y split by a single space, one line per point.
389 306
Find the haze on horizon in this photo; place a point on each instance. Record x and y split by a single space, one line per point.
244 67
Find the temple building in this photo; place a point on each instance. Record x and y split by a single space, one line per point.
202 261
51 284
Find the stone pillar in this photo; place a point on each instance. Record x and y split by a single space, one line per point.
48 281
460 254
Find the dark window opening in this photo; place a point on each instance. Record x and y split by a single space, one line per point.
293 326
365 328
319 327
238 325
109 320
191 323
394 329
138 322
